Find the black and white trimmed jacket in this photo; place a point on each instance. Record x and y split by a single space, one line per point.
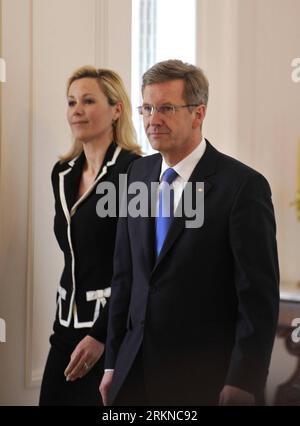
87 242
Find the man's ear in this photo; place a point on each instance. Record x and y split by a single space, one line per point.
199 114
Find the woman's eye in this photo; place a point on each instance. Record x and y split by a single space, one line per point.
71 103
89 101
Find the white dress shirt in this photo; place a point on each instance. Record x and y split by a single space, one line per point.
184 169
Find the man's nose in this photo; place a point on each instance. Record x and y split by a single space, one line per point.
155 118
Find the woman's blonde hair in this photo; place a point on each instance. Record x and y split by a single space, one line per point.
113 88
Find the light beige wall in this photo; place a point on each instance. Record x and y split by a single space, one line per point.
43 42
15 130
56 52
246 48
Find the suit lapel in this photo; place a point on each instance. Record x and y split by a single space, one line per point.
69 180
147 228
204 168
109 160
72 181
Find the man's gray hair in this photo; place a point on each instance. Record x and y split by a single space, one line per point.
195 82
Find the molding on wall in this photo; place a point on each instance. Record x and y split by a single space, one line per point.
0 83
35 379
201 32
217 54
32 378
101 33
33 375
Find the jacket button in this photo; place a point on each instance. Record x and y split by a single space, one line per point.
142 322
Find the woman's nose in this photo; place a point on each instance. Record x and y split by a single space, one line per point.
78 109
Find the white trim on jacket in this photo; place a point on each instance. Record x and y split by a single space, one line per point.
68 215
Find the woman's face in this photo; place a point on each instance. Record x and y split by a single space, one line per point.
89 114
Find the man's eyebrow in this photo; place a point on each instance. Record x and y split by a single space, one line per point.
160 103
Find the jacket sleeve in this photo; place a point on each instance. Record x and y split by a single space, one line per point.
253 242
120 291
55 182
99 329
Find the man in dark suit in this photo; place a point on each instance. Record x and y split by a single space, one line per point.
193 310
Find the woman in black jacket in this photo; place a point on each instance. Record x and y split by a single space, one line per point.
99 114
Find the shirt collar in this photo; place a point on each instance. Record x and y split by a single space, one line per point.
186 166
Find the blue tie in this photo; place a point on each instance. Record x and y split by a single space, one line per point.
165 208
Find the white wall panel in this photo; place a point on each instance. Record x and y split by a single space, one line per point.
43 42
246 48
63 39
15 149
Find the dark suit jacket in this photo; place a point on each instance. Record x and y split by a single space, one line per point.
87 242
204 313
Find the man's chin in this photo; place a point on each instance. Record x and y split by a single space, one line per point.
157 143
156 146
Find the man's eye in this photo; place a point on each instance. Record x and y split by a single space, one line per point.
165 109
147 108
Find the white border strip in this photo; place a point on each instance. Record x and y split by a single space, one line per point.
32 380
101 33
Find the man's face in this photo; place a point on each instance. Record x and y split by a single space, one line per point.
175 135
